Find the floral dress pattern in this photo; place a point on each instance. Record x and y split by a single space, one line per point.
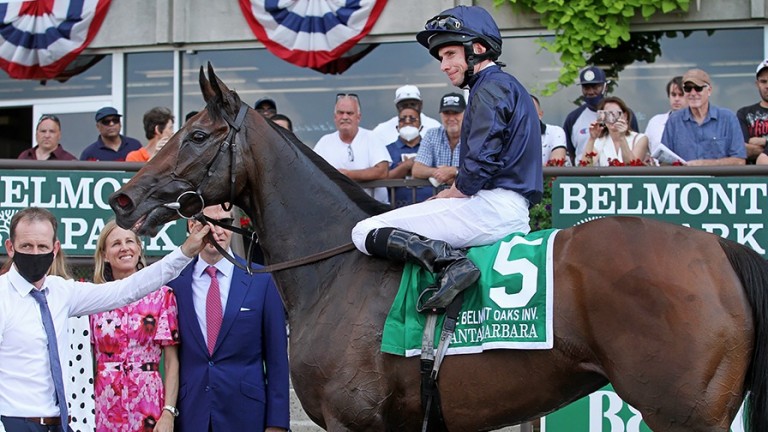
128 342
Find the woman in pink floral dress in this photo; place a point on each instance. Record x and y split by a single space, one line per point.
128 342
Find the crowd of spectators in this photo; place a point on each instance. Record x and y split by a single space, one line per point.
602 131
692 129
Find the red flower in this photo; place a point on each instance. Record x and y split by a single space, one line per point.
556 162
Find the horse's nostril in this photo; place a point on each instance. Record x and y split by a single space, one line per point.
123 201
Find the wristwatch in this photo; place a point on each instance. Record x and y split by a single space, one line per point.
171 409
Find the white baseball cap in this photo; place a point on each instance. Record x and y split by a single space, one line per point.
763 64
407 92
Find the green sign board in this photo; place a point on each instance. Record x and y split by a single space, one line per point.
78 199
732 207
604 411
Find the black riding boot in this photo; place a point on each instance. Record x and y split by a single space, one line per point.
455 271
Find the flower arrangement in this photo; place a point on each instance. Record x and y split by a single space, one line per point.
540 215
245 221
633 162
587 159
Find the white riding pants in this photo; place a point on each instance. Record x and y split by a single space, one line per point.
481 219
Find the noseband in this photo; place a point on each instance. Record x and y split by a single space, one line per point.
229 146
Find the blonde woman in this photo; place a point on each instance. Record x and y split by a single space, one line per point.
128 342
611 141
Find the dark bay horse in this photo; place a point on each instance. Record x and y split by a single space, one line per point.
673 317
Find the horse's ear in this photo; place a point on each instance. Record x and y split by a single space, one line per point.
229 100
205 86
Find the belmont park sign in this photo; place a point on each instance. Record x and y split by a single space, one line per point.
78 199
731 207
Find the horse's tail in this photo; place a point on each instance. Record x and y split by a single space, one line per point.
752 270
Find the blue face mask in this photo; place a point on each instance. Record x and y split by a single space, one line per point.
33 267
593 101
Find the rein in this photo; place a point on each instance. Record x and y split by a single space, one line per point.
229 146
298 262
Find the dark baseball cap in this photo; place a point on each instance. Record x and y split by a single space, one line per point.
453 102
267 101
592 75
106 112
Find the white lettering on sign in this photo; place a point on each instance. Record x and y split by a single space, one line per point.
597 413
671 198
71 198
99 193
37 195
14 195
655 200
161 242
73 227
573 195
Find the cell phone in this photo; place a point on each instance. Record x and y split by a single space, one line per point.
608 117
601 117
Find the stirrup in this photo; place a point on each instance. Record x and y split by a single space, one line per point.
432 289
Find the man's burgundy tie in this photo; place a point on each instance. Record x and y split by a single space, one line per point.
213 310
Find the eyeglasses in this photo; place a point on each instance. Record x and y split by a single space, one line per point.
407 119
225 221
350 153
110 121
690 87
444 23
51 117
351 95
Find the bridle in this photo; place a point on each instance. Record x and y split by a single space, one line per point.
229 146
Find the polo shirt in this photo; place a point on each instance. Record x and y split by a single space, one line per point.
58 154
404 195
98 151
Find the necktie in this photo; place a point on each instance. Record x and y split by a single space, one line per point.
213 310
53 354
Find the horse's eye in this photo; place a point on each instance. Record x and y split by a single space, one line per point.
198 136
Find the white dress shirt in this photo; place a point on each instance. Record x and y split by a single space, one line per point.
200 283
26 386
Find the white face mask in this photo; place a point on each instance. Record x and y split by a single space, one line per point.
409 133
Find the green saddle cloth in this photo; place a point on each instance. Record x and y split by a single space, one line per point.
510 306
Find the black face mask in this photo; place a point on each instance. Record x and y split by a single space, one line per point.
33 267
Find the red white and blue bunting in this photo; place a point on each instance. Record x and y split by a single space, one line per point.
311 33
39 38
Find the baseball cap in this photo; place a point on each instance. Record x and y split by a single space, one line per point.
407 92
592 75
763 64
452 102
697 76
106 112
265 100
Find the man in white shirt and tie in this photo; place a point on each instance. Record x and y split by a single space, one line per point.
34 309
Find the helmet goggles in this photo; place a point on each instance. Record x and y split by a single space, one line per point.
444 22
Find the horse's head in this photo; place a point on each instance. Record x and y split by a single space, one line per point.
197 167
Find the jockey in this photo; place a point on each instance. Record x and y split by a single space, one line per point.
499 175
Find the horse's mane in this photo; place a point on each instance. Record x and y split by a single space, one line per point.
358 196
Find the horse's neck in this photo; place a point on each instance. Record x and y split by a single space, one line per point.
299 210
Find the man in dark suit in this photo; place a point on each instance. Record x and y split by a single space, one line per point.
233 366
